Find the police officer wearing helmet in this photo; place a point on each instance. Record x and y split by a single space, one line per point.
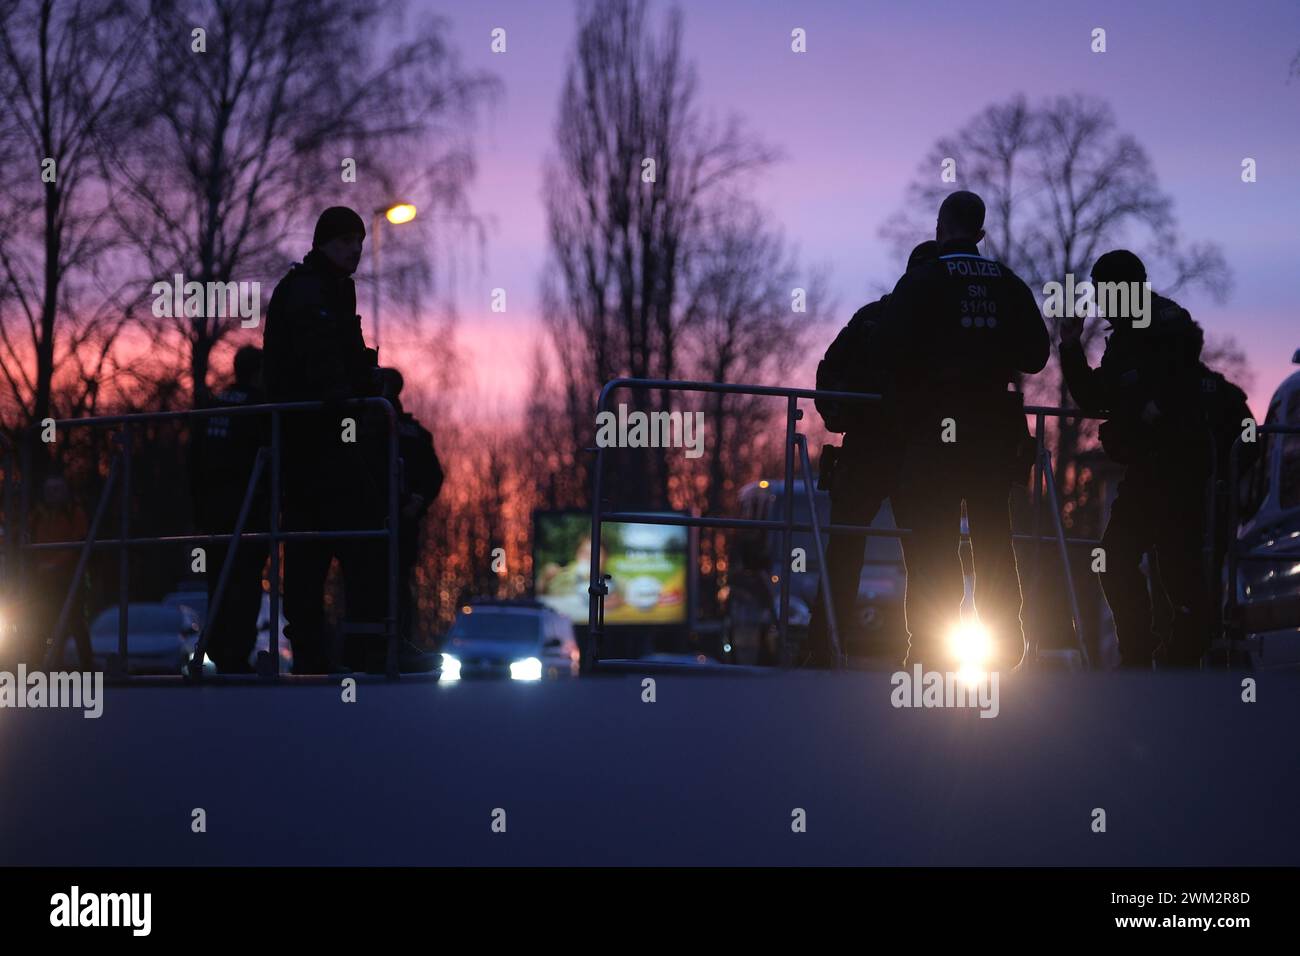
959 329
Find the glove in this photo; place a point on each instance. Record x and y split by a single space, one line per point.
826 467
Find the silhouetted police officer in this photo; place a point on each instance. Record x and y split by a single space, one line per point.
222 453
420 482
1164 409
315 351
860 474
959 329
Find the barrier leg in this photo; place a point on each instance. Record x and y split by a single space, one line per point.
787 532
828 605
259 464
124 554
393 668
273 624
596 588
55 649
1065 560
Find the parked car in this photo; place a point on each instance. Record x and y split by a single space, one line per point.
522 640
1268 592
196 599
160 638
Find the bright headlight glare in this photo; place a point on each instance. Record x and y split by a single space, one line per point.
971 645
450 668
530 668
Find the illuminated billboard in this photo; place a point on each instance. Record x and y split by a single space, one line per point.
647 564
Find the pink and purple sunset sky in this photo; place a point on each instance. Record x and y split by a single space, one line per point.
1201 85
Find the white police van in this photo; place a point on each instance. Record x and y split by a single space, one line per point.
752 611
1268 592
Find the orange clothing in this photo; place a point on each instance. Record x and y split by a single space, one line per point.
65 523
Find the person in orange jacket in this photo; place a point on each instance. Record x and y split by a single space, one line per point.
58 518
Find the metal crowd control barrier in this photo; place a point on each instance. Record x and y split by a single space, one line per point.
119 476
1044 483
1234 629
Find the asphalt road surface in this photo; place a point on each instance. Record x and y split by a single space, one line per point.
712 773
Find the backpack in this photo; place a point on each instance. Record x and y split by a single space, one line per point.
1225 408
846 368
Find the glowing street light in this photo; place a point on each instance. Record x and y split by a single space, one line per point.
400 213
397 214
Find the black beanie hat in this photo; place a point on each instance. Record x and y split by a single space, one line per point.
337 221
1119 265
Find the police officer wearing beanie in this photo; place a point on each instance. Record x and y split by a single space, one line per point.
1150 382
957 332
223 450
421 479
314 351
861 473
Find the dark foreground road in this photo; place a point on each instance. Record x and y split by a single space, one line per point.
708 774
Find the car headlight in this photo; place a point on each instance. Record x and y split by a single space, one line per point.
530 668
450 668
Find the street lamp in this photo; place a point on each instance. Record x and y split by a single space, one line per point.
400 213
397 214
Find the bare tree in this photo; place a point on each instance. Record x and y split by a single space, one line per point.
1062 185
740 325
67 77
554 460
486 504
255 121
635 163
